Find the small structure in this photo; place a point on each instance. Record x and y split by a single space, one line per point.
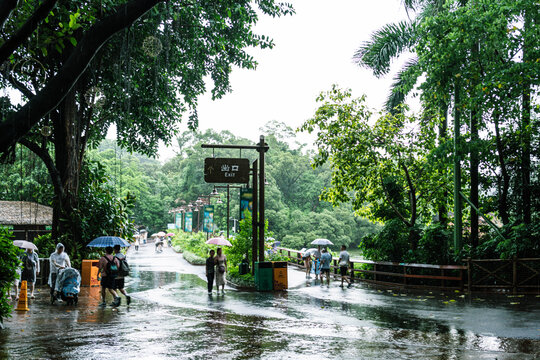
26 219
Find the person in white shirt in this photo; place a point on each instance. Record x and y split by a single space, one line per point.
344 261
58 260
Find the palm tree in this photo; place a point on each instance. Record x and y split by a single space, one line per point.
391 41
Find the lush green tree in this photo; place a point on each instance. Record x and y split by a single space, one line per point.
383 168
78 82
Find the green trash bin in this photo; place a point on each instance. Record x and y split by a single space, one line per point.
264 279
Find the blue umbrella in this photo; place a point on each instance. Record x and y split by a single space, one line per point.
104 241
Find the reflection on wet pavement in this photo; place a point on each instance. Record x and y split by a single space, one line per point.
173 317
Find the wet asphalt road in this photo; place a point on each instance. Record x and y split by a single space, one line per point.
173 317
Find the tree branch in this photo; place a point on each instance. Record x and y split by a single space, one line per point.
47 160
6 7
412 195
26 30
20 86
393 206
19 123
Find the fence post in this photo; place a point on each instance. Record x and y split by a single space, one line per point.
469 275
404 275
514 274
442 280
352 271
375 272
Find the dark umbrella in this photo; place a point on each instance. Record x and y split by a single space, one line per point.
104 241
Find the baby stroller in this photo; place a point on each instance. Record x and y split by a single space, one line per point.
68 285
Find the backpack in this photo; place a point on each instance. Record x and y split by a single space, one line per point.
111 269
28 265
123 269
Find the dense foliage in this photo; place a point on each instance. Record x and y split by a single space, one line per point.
294 212
9 261
140 65
192 245
474 63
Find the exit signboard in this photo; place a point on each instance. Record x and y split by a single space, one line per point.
226 170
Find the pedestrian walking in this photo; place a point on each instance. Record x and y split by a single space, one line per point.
137 243
30 260
307 264
326 260
57 261
344 263
221 267
119 280
316 264
210 271
108 269
16 281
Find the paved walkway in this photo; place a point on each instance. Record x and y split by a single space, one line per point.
172 317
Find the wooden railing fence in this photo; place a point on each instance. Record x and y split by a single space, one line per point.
515 275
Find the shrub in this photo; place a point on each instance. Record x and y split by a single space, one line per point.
191 242
242 281
45 244
9 262
193 259
434 246
242 244
391 244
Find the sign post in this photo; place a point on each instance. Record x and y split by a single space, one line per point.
229 171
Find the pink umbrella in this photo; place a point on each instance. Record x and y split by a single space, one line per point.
170 234
219 241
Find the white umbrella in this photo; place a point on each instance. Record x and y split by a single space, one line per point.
25 244
322 242
161 233
219 241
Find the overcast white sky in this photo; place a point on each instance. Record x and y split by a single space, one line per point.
314 50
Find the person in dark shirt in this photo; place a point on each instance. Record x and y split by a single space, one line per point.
210 271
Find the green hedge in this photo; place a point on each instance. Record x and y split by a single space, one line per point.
193 259
241 281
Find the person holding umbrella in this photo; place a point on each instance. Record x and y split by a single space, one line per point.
220 261
108 269
108 265
30 269
221 266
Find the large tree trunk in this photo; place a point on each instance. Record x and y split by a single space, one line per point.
68 164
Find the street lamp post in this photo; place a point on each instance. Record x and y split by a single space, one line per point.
228 187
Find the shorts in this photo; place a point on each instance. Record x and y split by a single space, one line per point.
107 282
17 277
29 276
118 283
325 271
343 270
